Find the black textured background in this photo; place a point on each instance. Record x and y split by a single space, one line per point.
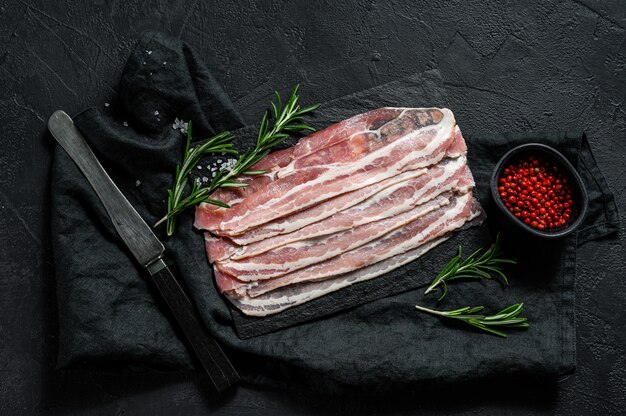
510 66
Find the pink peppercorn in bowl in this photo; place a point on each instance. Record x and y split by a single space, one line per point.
538 190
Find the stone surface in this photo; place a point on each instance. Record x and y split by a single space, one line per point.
510 65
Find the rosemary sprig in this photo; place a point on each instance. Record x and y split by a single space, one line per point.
275 127
478 265
221 143
506 318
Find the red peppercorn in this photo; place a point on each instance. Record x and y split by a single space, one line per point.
536 191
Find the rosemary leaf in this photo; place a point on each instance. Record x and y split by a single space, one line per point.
478 265
233 185
506 318
275 127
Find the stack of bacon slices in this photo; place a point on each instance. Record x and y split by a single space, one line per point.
345 204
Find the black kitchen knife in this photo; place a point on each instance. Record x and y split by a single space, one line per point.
146 248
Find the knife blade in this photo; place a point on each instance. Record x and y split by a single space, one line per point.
147 249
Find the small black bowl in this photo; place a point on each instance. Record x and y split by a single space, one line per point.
553 156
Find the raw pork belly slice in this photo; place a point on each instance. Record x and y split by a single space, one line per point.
272 163
320 211
396 199
435 224
292 295
305 146
223 248
288 296
300 254
416 138
346 204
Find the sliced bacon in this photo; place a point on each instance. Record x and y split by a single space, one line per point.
320 211
416 138
279 159
335 133
289 296
394 199
450 174
336 204
232 196
346 204
428 227
292 295
300 254
222 248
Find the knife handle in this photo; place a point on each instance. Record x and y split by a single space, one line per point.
127 222
217 366
146 248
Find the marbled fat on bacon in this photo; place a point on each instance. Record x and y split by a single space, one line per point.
232 196
346 204
416 138
293 295
436 224
320 211
259 238
289 296
398 198
300 254
397 195
305 146
224 248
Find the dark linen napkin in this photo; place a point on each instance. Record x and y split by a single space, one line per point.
108 309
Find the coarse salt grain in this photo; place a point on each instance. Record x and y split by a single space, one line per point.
125 124
106 104
156 112
230 163
137 182
199 167
149 52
